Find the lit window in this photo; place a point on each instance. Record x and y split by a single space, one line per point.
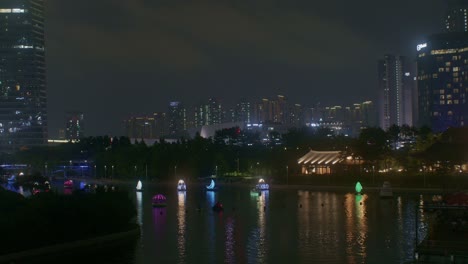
442 102
434 76
455 69
442 91
449 113
442 97
449 102
448 63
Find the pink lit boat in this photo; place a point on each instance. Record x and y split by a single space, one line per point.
159 200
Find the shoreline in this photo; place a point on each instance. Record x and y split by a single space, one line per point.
114 238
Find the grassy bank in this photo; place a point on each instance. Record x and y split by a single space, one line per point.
49 218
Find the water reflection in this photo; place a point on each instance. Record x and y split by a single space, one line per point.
211 200
181 228
262 205
230 241
67 191
257 239
139 200
159 221
356 227
11 187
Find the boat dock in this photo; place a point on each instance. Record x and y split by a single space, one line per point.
447 235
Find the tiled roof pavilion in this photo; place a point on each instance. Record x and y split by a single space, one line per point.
321 158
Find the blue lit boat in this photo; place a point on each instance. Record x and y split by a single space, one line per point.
181 187
262 186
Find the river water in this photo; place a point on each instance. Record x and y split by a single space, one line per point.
277 226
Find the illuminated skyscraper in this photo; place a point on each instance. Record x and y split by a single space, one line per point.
395 87
23 117
74 125
443 81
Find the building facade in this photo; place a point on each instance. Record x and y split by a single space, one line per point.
395 89
456 16
74 126
23 102
442 64
177 120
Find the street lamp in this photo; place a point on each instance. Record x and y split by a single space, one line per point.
112 175
287 175
175 171
105 171
135 170
373 174
95 172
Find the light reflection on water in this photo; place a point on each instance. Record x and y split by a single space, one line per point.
230 241
279 226
139 207
181 197
257 244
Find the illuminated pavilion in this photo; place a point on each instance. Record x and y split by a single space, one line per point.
327 162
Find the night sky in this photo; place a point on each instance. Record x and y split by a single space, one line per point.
114 58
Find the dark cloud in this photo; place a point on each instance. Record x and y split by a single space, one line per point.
110 58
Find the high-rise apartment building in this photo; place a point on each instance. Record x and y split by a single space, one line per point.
395 87
140 127
442 63
177 119
210 113
146 127
242 112
74 126
456 16
23 117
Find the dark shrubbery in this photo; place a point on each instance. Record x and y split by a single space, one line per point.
50 218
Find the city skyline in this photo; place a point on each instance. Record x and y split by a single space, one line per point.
136 57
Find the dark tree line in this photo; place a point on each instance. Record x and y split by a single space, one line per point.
232 151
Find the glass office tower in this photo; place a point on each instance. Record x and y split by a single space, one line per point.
23 117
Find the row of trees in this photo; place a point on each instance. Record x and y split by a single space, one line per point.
235 151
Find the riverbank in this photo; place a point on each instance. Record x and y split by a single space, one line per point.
71 247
